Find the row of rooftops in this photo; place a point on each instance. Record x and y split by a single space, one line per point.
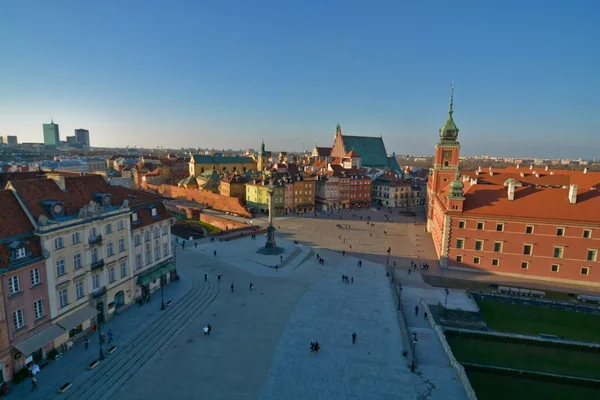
61 198
527 193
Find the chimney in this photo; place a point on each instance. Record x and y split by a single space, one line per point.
531 167
551 172
572 194
59 180
511 191
479 169
537 175
518 166
585 170
546 169
522 174
491 172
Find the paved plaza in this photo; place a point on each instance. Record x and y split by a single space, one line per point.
259 346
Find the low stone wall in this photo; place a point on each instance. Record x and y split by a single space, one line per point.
222 223
403 327
213 200
460 371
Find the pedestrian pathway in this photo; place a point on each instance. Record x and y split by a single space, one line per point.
127 326
439 379
329 313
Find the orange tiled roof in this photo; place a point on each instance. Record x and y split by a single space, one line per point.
14 219
546 178
352 153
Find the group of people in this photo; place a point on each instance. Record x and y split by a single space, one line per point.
207 329
345 279
314 346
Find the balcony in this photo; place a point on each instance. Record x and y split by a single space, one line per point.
98 264
99 292
95 240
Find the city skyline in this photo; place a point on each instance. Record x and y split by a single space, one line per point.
215 75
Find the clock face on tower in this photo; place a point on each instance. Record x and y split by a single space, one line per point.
447 155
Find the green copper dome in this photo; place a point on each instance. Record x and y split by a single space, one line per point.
449 131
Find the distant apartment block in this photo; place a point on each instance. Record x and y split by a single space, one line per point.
51 135
83 137
9 140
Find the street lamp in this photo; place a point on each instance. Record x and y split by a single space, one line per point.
99 332
394 272
399 291
162 292
414 343
446 301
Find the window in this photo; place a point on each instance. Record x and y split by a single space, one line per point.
592 254
156 253
77 261
63 299
120 225
165 249
95 282
138 261
92 233
497 247
38 309
60 267
558 251
479 245
560 231
555 267
14 286
76 238
94 255
138 240
154 212
459 258
121 245
156 232
79 290
529 229
524 264
134 217
148 257
109 249
587 234
148 236
111 275
460 243
499 227
58 243
18 319
21 252
585 270
108 228
495 262
480 226
123 270
527 249
35 276
476 260
165 230
462 224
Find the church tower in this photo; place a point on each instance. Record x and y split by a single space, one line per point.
261 161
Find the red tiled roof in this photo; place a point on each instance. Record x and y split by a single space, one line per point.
546 178
532 202
352 153
14 176
323 151
14 219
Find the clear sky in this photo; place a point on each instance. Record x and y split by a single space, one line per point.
225 74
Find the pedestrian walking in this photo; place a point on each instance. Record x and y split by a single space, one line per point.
343 252
205 277
183 245
110 335
280 258
86 343
352 280
424 315
219 277
215 253
354 338
102 338
195 245
34 384
416 310
251 286
232 288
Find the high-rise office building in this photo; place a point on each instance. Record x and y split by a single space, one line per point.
51 135
83 137
9 140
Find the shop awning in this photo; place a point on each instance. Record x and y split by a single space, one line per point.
155 273
39 340
78 317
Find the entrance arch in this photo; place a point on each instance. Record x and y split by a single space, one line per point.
119 299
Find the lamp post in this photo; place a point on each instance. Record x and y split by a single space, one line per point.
414 343
446 301
399 297
99 332
162 292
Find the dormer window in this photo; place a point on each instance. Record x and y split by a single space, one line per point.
154 212
21 252
134 218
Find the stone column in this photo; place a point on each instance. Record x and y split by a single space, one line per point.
270 229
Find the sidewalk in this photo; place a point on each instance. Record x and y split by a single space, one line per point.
73 363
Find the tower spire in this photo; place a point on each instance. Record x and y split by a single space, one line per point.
451 110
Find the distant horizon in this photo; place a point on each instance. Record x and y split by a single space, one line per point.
219 73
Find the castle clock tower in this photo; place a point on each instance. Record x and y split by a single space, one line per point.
445 163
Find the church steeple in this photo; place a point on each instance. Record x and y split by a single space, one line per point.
338 129
449 131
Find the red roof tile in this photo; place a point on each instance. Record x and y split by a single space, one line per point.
14 218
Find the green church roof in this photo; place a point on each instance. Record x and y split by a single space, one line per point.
449 132
371 150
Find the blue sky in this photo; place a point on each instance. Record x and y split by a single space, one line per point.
226 74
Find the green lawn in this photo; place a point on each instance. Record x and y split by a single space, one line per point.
527 357
209 228
496 387
530 320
